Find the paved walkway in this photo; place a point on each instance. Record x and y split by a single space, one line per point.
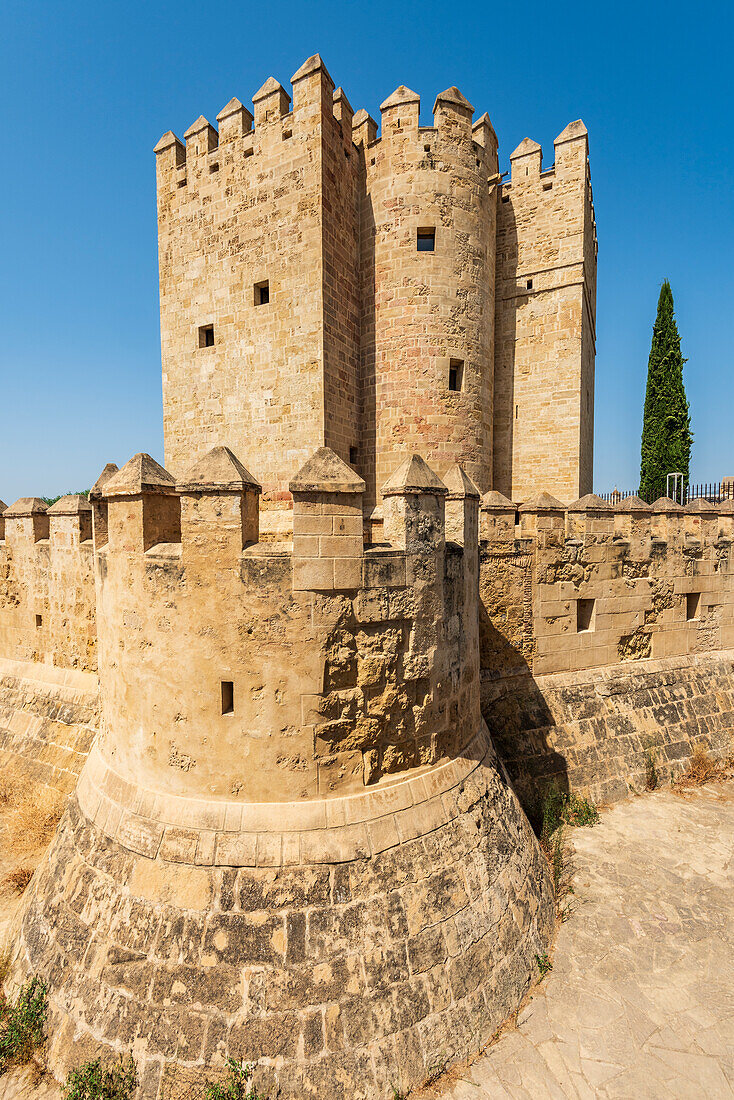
640 1002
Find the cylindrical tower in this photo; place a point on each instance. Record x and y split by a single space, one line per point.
428 265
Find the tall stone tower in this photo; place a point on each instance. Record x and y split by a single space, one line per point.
258 280
546 322
323 286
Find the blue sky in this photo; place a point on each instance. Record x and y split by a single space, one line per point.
88 89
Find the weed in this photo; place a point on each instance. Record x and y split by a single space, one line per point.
545 965
22 1024
559 809
18 879
651 772
702 769
237 1085
96 1081
397 1094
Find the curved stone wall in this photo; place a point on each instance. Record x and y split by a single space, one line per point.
342 959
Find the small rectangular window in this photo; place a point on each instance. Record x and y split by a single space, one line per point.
206 336
262 293
547 186
693 605
585 615
426 240
505 198
227 697
456 374
39 620
213 168
517 411
530 284
352 456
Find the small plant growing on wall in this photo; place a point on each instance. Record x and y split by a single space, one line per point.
237 1085
96 1081
22 1025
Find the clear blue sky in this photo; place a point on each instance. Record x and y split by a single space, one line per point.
88 88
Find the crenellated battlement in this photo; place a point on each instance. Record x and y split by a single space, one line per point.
607 582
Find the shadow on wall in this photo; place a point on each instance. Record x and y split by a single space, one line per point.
519 720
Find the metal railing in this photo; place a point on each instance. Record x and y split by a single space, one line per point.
712 491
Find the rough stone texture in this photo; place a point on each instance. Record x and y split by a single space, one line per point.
340 976
639 1001
597 731
545 322
48 721
47 610
353 348
660 582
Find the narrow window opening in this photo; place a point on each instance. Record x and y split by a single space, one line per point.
527 171
693 605
426 148
479 164
206 336
585 615
39 620
398 122
182 183
227 697
287 134
517 411
249 152
372 161
456 374
352 456
530 284
213 168
547 186
505 198
262 293
426 241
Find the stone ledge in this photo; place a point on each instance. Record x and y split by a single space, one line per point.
274 834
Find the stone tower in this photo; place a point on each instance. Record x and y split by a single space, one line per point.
546 322
323 286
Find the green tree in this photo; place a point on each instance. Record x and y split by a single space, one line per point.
666 428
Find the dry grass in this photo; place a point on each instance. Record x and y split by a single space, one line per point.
18 879
30 813
702 769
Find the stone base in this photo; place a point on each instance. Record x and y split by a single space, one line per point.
342 975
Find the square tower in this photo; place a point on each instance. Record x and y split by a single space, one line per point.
545 323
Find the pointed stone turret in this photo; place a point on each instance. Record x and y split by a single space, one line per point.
26 521
328 538
234 121
141 474
496 518
70 520
414 508
220 512
364 128
271 102
413 475
400 111
201 138
109 471
325 472
143 506
219 471
462 509
544 517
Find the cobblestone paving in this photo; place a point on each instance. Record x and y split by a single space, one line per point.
640 1002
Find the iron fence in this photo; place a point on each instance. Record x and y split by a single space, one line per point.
712 491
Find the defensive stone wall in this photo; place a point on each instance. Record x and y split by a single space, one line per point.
47 610
49 718
601 634
292 841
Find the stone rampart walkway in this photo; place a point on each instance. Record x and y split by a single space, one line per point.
640 1001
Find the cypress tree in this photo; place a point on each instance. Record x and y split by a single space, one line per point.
666 427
